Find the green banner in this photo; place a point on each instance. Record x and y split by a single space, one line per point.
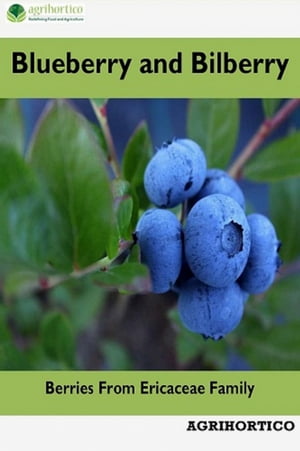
149 67
149 393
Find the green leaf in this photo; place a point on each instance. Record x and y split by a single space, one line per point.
57 338
131 276
112 245
25 236
26 313
270 106
268 336
15 176
19 282
273 348
81 299
100 138
37 359
5 334
137 154
120 188
11 125
24 214
285 215
123 207
214 124
278 161
124 213
12 358
135 255
115 355
286 289
66 156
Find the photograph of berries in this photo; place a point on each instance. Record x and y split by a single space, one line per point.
150 234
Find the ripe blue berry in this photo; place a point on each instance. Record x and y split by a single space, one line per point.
219 182
217 240
159 236
212 312
263 261
175 173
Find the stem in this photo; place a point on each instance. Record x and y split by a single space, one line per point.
53 281
112 154
102 265
183 212
266 128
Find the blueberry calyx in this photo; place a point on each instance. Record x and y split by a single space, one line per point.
232 238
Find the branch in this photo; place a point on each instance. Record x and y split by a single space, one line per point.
45 283
112 154
266 128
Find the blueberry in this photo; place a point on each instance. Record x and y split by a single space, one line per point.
263 261
175 173
219 182
212 312
159 236
184 275
217 240
245 295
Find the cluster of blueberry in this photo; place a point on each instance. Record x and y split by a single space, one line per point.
218 256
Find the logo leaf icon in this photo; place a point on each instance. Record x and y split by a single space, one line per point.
11 17
16 13
21 16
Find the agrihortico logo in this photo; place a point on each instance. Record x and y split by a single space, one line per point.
50 12
16 13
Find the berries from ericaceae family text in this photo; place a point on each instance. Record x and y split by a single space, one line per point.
217 240
175 173
219 182
212 312
263 261
159 236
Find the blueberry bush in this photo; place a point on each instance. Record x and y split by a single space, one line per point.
182 255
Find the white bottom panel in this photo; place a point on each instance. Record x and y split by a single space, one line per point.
145 433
